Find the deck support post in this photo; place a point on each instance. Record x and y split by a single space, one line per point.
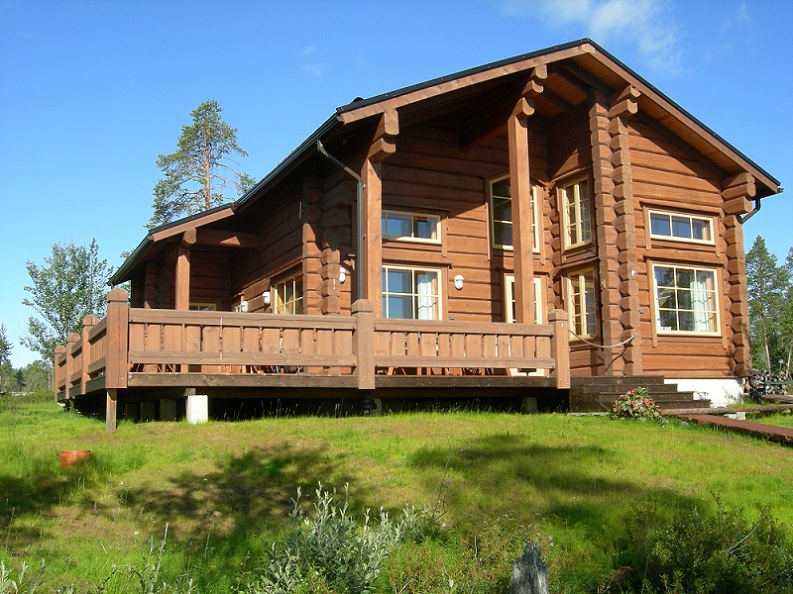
182 287
520 189
116 367
111 407
197 407
560 347
167 408
363 343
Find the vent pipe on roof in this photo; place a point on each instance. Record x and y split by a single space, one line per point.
360 267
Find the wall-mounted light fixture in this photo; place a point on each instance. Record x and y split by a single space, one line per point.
342 274
458 282
243 306
266 297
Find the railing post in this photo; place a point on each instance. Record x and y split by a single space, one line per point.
116 368
89 322
72 339
363 343
60 354
560 347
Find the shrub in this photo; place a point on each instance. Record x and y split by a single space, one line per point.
332 551
707 552
636 404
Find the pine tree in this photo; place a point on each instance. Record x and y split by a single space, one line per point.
200 170
767 285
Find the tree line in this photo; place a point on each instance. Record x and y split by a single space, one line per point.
770 295
73 280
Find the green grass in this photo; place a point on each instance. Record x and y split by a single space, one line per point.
780 420
225 489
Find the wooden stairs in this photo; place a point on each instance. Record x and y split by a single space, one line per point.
597 394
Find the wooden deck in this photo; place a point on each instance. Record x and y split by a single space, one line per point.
148 349
783 435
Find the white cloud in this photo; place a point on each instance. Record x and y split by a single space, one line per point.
645 23
305 58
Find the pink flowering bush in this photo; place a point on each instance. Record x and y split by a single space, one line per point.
636 404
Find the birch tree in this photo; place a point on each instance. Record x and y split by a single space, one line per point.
72 283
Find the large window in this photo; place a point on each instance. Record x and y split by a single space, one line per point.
509 298
576 207
289 295
681 227
501 214
411 293
581 303
408 226
685 299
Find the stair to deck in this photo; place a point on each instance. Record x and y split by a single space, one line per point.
598 394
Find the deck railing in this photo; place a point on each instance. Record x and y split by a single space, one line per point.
132 343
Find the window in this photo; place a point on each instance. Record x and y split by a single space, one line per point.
407 226
509 298
288 298
681 227
581 305
203 307
575 201
501 214
411 293
685 299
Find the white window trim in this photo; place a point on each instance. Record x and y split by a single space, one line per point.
579 277
578 223
435 241
539 298
438 276
657 310
535 216
670 214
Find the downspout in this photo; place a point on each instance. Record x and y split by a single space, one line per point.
360 267
743 218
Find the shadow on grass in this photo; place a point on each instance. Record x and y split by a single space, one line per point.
509 475
219 516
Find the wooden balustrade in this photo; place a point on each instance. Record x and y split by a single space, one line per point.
139 345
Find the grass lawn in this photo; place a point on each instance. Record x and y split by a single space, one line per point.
494 480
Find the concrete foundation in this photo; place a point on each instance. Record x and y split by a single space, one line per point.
197 408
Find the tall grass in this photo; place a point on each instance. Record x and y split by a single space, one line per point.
495 481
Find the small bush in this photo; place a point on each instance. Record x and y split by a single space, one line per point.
332 551
636 404
707 552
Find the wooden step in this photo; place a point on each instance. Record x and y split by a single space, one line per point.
630 381
598 394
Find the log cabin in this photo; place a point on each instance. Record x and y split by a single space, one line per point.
547 224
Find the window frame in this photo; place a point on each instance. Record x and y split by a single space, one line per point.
413 216
714 313
535 215
576 226
202 306
437 296
575 284
279 304
682 215
509 298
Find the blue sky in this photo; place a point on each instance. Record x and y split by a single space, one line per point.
92 91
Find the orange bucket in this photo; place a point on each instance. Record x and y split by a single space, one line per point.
71 457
